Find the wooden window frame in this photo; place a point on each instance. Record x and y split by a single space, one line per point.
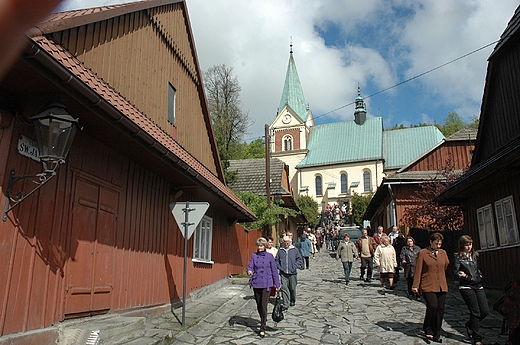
202 241
486 228
506 221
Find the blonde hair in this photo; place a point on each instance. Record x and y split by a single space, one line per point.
261 241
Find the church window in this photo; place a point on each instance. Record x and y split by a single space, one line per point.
366 181
319 185
287 143
344 183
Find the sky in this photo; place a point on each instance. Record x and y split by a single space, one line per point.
398 52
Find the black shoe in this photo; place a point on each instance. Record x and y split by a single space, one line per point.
346 283
367 280
284 308
437 340
292 304
361 277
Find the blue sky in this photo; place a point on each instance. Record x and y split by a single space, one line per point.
342 44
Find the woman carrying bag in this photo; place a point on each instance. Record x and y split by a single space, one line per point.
264 275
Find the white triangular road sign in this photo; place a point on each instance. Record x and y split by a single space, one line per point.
197 211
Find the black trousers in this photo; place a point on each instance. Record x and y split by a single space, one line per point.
306 262
434 313
367 264
262 299
478 309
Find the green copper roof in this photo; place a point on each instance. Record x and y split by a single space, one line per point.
292 94
402 146
344 142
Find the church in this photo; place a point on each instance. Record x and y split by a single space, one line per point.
331 162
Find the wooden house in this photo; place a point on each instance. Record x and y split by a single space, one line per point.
251 177
395 194
489 192
100 237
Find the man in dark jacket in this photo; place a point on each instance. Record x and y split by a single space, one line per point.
288 259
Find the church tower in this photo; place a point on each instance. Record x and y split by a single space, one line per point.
289 131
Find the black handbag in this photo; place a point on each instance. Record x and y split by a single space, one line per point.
278 308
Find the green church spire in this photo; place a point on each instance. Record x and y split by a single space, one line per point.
292 94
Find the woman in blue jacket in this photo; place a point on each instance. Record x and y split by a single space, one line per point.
264 275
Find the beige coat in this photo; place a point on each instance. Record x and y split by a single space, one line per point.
385 258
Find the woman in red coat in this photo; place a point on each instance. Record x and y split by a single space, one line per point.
430 280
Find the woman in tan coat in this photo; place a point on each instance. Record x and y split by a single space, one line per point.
386 260
430 279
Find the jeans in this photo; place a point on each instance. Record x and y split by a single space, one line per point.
347 267
289 282
367 263
478 309
434 313
262 299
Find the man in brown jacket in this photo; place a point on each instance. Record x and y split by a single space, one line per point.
366 247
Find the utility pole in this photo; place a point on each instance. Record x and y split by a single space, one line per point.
267 167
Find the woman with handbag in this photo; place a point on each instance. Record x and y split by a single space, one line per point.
466 269
264 275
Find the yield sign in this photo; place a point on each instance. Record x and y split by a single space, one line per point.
195 212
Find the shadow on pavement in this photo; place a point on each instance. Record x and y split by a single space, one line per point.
408 328
245 321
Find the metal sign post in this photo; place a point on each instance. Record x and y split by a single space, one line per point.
187 230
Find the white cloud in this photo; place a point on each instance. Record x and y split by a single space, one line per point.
377 43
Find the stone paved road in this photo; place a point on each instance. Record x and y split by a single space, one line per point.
328 312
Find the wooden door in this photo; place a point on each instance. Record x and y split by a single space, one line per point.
91 249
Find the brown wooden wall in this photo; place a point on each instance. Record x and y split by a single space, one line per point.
460 151
119 51
499 263
136 243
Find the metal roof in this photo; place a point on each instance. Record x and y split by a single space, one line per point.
344 142
401 146
292 94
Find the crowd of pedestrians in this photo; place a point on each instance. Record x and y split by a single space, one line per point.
424 271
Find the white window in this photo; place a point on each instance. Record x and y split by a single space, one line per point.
171 103
506 221
202 240
486 230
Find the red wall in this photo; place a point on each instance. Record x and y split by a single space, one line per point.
99 237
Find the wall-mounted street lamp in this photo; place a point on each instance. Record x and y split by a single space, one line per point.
55 130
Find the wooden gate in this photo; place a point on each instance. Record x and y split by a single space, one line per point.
90 267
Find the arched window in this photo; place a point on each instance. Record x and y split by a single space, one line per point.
344 183
366 181
287 143
319 187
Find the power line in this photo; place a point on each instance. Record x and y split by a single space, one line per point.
410 79
415 77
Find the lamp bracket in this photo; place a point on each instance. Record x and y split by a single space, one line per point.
38 179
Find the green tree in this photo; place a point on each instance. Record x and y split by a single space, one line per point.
255 149
452 123
359 206
230 122
266 216
309 209
475 121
